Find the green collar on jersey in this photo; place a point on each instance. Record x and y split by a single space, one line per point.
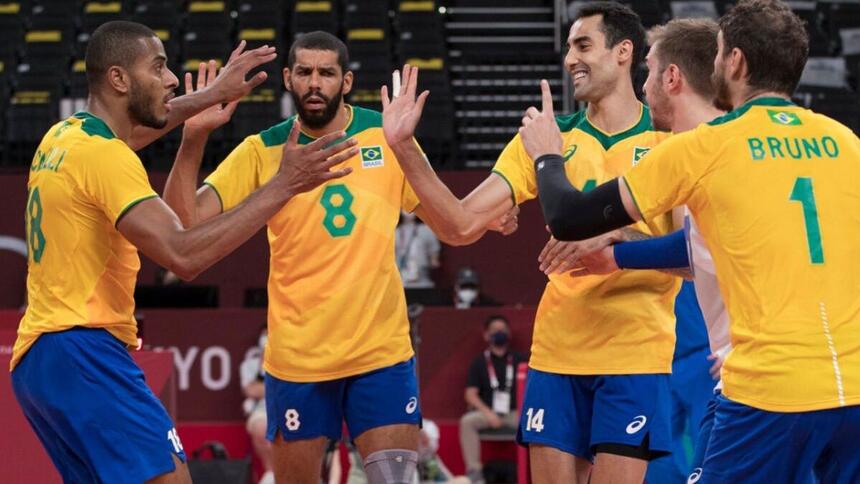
742 109
362 119
580 120
94 126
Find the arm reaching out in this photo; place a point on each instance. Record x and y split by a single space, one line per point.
156 230
180 192
455 221
570 213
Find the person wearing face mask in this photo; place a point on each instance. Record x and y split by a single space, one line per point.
417 252
467 290
490 393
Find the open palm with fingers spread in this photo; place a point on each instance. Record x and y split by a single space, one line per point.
401 113
214 116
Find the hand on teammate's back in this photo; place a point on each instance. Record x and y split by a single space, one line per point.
539 132
231 83
401 113
305 167
214 116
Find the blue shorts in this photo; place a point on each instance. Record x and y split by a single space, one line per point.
700 445
692 389
752 445
89 404
575 413
387 396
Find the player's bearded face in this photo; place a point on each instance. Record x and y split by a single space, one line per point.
145 105
315 108
723 99
151 85
658 100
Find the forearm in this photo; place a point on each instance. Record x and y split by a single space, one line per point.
203 245
180 191
572 214
181 108
666 252
444 212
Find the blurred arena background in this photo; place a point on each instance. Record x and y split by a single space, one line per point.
480 59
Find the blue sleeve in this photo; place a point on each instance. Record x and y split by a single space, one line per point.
666 252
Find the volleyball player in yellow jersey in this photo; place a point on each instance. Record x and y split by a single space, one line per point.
338 346
773 189
90 208
598 388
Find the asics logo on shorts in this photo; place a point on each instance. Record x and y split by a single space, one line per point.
412 405
637 424
695 476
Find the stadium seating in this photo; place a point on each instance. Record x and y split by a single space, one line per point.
479 58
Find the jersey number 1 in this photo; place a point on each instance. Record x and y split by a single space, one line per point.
337 202
803 193
35 236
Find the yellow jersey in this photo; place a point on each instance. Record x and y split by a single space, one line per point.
773 188
336 301
80 270
620 323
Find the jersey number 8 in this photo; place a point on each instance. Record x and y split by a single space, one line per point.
337 202
35 236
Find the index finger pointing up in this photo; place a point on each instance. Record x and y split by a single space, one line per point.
546 95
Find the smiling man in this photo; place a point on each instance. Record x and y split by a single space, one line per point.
598 389
90 208
780 221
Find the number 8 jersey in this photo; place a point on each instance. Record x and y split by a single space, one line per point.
336 301
80 270
774 189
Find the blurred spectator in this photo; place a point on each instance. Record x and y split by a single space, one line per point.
431 469
490 393
251 375
417 252
467 290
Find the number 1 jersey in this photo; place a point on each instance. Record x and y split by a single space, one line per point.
336 301
774 189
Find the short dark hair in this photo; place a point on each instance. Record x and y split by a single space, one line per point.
620 23
773 40
113 43
495 317
320 40
690 44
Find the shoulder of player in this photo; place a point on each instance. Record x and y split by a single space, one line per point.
275 135
363 119
567 122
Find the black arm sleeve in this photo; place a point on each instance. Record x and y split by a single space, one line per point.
572 214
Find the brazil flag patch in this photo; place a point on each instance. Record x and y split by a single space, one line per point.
784 118
371 157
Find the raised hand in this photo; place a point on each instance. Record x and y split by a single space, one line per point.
539 132
214 116
305 167
231 85
401 113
